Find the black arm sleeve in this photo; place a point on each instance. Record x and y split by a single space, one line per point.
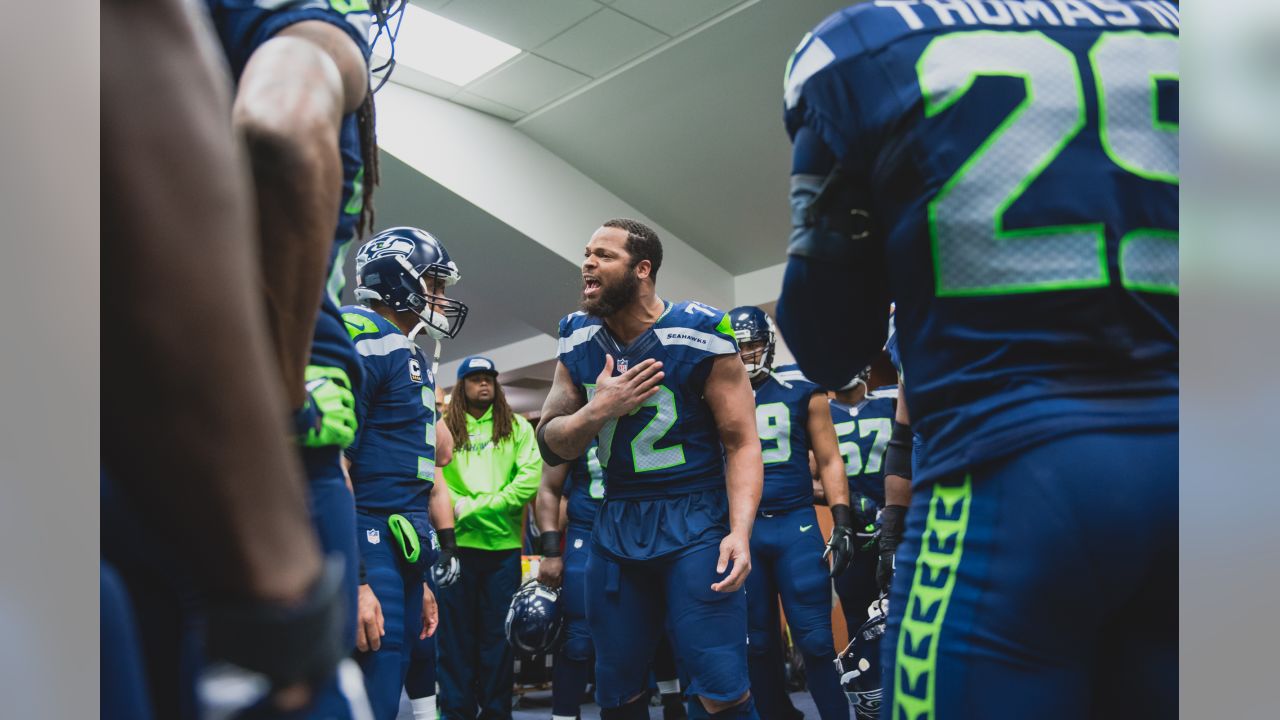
897 457
548 455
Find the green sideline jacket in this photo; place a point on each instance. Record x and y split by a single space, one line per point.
491 485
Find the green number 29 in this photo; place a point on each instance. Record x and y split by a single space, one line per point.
973 252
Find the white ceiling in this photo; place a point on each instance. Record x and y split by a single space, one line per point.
674 106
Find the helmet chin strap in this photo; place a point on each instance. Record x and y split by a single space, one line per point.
435 359
855 383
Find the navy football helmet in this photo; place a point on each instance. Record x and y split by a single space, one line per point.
859 666
534 620
392 269
751 324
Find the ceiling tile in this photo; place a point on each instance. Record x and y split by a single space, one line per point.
522 23
527 83
673 16
601 43
486 105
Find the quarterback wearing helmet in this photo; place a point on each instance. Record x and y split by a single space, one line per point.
401 276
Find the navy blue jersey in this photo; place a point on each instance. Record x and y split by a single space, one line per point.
584 489
669 445
393 456
242 27
782 420
1019 161
863 431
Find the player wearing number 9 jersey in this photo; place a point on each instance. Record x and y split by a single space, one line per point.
660 384
1007 172
788 555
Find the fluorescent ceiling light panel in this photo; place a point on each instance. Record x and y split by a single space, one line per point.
443 48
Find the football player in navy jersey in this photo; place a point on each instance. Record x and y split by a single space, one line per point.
304 108
581 485
401 276
788 554
205 535
660 385
1008 173
863 420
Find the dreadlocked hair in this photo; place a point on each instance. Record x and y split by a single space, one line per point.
456 418
367 121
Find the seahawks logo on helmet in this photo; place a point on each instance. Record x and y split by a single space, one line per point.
859 666
392 269
866 704
382 248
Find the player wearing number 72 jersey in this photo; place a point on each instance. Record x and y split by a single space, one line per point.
660 384
1007 172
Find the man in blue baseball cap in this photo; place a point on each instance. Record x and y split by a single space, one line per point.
495 472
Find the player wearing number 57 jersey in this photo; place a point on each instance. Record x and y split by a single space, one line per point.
1007 173
660 384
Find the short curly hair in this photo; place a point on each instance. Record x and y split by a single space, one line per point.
642 243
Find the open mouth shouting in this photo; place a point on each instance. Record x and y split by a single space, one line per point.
590 286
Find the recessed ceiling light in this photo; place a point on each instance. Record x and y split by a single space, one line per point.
443 48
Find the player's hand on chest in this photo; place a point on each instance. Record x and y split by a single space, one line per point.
616 395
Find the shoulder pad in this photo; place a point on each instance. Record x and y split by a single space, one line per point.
361 321
698 326
575 329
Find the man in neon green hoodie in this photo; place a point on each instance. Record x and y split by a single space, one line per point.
494 473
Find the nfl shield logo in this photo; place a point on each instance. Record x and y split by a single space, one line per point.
622 365
373 536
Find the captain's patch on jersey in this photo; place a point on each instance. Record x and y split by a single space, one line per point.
415 370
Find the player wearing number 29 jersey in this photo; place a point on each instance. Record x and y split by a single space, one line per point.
1007 173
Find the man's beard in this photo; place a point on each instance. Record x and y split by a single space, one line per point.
613 298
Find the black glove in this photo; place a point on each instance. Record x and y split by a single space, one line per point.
892 525
288 644
840 546
448 567
864 520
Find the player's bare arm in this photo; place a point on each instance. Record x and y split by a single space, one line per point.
289 106
728 393
175 172
444 445
829 463
548 513
570 421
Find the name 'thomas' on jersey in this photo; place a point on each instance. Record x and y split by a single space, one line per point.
863 431
393 456
782 421
1019 162
670 445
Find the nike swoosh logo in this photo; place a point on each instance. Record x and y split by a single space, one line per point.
805 528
